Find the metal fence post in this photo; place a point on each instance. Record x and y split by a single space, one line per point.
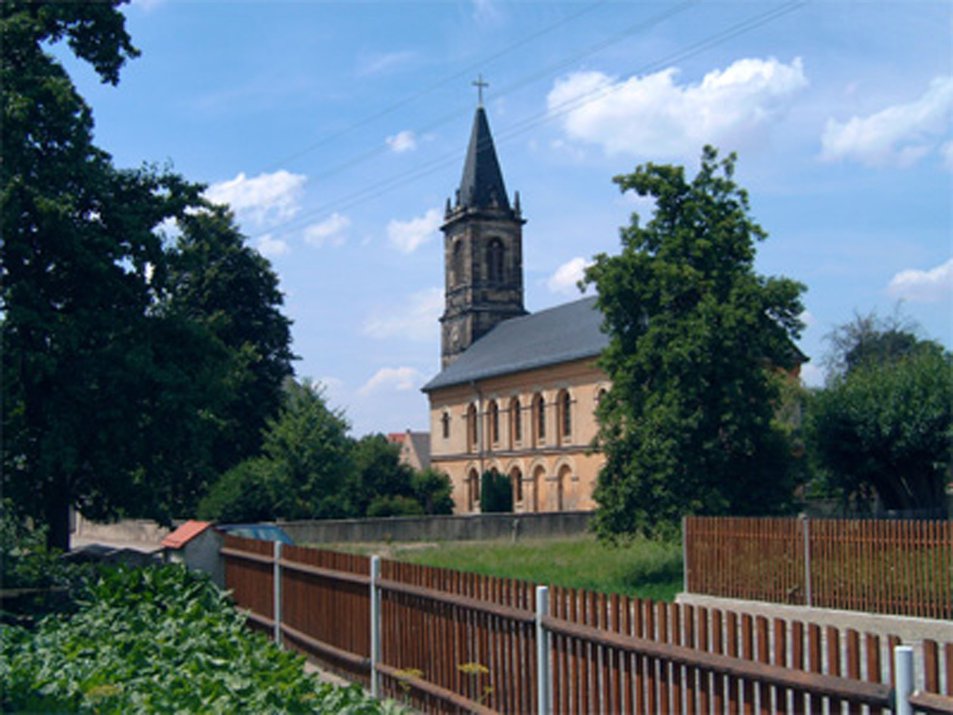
277 578
543 682
806 527
375 623
903 665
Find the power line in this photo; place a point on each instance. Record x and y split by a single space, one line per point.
433 165
391 108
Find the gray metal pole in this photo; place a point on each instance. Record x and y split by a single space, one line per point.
277 556
543 683
808 597
903 665
375 623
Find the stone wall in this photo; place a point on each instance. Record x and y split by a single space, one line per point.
468 527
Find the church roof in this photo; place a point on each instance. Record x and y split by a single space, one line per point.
482 183
567 332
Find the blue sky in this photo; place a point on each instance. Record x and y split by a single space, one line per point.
336 130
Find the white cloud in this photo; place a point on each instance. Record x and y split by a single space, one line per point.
408 236
402 141
415 319
271 247
899 135
566 277
928 286
394 378
329 232
655 116
486 11
264 198
383 62
946 151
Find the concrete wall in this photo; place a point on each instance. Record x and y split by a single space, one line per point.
466 527
125 530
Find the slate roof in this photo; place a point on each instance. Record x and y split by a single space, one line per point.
567 332
482 183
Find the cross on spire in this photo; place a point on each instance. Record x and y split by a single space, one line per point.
480 84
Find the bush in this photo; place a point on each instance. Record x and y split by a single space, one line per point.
496 495
158 639
432 489
394 506
243 494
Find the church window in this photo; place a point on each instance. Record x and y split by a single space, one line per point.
494 261
539 414
473 490
445 423
471 428
516 476
493 417
516 417
564 401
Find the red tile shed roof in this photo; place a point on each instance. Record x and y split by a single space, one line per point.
185 533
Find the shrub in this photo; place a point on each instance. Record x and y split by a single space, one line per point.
394 506
496 495
158 639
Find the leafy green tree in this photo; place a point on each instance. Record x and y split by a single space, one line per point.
86 368
378 472
886 426
219 283
129 382
303 472
432 489
695 336
869 339
496 494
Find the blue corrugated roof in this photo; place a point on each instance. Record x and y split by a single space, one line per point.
567 332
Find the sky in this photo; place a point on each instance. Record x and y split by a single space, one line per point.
337 130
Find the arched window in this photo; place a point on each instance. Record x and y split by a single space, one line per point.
493 418
564 402
456 264
516 477
539 417
471 428
494 261
445 423
473 490
516 421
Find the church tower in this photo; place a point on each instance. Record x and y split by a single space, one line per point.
483 249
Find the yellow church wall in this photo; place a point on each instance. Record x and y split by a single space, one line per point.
552 471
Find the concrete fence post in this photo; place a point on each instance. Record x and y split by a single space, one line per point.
375 624
543 675
277 579
903 666
806 530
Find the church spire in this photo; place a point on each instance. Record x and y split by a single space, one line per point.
482 183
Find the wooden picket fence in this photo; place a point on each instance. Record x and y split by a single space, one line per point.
886 566
449 642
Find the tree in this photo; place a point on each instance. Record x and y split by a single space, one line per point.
116 388
378 473
303 471
695 340
496 493
229 289
869 339
432 489
885 424
83 359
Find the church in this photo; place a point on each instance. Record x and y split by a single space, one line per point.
517 392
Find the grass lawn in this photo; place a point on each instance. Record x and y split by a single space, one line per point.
648 569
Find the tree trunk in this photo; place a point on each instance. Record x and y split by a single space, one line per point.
57 520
